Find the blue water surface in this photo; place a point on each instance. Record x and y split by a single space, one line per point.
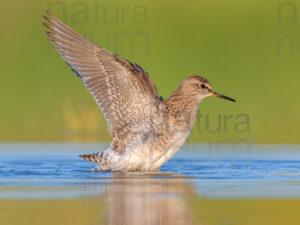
57 171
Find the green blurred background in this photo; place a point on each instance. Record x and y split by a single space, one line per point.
248 50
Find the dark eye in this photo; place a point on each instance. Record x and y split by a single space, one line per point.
202 86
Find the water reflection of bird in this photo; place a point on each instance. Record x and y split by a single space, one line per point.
146 129
149 199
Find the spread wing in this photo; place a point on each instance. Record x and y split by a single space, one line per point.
124 91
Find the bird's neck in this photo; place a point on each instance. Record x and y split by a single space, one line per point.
183 104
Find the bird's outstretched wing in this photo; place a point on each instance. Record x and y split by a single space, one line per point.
123 90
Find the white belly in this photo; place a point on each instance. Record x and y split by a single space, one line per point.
148 158
168 152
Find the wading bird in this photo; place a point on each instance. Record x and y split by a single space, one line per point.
146 129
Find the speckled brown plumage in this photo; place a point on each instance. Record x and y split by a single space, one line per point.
146 129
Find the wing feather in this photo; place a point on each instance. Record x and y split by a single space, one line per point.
123 90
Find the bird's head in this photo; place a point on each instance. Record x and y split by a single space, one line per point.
200 87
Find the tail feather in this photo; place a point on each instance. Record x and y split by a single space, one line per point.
95 157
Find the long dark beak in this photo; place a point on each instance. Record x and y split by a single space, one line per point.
221 96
